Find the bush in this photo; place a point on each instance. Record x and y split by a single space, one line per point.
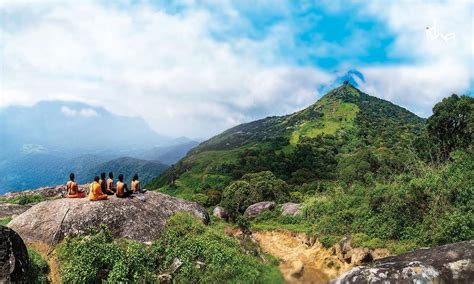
328 241
253 188
26 199
38 268
97 257
190 241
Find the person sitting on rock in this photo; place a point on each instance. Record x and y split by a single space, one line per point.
103 185
110 183
73 189
95 191
122 188
136 186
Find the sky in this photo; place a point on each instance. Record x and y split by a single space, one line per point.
195 68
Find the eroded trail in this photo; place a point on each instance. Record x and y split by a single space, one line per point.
300 262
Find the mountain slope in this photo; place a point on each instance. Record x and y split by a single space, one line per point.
342 122
128 167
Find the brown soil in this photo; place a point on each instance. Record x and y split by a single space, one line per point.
299 262
52 260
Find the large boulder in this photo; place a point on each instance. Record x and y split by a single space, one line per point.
255 209
137 218
291 209
13 257
453 263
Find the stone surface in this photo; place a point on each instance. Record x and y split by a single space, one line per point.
9 210
13 257
255 209
220 213
453 263
47 191
141 220
292 209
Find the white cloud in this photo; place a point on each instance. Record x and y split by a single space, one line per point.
168 69
143 61
84 112
437 67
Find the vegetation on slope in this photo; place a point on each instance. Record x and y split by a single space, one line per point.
360 166
98 257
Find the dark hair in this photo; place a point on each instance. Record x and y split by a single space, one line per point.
72 176
102 175
96 178
120 177
111 175
135 177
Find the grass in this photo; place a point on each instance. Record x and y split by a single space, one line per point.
5 221
24 199
337 116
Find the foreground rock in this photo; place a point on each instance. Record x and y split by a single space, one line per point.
10 210
255 209
453 263
13 257
127 218
291 209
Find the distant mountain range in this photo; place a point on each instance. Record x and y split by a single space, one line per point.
42 144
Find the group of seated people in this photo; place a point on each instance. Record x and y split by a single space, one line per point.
101 188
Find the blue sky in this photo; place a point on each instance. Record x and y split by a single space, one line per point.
195 68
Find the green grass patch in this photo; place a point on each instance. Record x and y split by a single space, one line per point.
5 221
336 116
38 269
25 199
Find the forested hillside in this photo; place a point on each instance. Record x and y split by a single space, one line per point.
356 163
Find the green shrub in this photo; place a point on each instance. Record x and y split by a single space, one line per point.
189 240
38 268
26 199
328 241
97 257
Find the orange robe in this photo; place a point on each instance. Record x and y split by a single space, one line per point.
73 190
96 192
135 185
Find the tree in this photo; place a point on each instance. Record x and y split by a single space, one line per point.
451 125
253 188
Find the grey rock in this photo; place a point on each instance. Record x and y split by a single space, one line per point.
220 213
292 209
452 263
125 217
199 264
14 260
165 278
47 191
175 265
9 210
255 209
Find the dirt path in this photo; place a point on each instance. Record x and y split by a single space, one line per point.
300 263
52 261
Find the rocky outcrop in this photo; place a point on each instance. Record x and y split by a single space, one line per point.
453 263
220 213
291 209
47 191
9 210
255 209
142 219
13 257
